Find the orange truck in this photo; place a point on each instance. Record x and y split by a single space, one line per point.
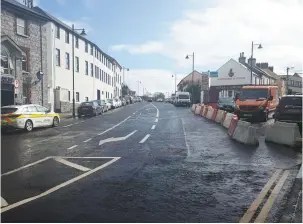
256 101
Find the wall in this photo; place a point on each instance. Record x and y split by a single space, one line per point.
32 43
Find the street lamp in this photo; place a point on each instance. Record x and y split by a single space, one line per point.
287 69
175 81
139 82
73 57
192 76
252 55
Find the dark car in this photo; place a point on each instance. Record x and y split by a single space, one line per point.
289 109
227 104
90 108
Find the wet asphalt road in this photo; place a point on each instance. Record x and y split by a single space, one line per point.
176 167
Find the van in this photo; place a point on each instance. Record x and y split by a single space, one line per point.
256 101
182 99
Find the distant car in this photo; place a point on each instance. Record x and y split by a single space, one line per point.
150 100
123 101
227 104
90 108
118 102
27 117
289 110
159 100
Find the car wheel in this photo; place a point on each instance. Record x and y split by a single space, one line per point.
28 125
55 122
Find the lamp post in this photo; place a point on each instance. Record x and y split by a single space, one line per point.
73 68
127 69
287 69
139 82
252 55
175 75
192 75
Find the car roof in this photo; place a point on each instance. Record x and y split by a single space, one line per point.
292 96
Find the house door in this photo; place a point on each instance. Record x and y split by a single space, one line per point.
98 94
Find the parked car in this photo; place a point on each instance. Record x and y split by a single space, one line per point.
123 101
89 108
111 102
289 109
102 103
227 104
27 117
118 102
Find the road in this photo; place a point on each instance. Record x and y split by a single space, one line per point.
147 162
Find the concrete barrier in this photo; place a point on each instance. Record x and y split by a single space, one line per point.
209 114
219 116
227 120
283 133
245 133
198 110
214 114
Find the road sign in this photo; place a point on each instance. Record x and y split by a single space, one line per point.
16 83
213 74
205 81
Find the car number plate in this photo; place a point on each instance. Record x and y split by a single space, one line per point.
294 110
247 115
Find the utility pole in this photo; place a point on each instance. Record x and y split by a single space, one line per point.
287 71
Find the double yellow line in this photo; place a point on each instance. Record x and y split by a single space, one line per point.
261 218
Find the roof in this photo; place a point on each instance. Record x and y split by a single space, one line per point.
271 73
13 43
65 26
258 71
18 6
187 76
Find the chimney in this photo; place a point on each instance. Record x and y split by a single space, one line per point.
253 61
242 59
262 65
271 68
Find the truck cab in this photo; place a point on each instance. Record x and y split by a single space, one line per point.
256 101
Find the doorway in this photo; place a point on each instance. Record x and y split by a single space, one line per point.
98 94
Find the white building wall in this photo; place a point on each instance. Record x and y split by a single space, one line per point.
85 84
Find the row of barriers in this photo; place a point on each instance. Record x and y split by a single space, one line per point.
242 131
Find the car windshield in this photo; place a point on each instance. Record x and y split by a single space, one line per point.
87 104
8 110
110 100
291 101
253 94
102 102
183 96
227 100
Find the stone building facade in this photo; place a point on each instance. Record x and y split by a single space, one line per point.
23 55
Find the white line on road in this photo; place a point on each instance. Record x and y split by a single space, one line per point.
114 126
116 139
74 165
156 120
153 127
26 166
145 138
58 186
67 125
3 202
87 140
157 110
74 146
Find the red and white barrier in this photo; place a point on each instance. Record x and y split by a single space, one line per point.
193 108
201 111
209 114
198 110
227 120
205 111
219 118
232 127
215 112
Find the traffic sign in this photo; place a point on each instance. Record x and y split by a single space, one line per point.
16 83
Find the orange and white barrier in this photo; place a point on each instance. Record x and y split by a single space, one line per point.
219 117
193 108
227 120
205 111
201 111
210 112
198 110
215 112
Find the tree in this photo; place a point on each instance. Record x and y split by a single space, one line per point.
125 90
194 90
159 95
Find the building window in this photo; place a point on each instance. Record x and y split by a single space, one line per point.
100 74
57 57
67 60
67 37
86 98
86 47
292 83
91 50
77 42
57 32
86 67
91 70
77 63
5 61
68 95
77 97
96 71
21 26
24 64
102 92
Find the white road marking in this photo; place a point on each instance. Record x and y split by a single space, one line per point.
153 127
26 166
74 165
185 137
81 121
114 126
67 125
87 140
134 113
3 202
60 185
157 110
156 120
145 138
74 146
116 139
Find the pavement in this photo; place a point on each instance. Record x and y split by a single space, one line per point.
147 162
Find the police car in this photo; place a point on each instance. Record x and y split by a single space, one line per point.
27 117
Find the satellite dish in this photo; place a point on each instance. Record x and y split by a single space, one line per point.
39 75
